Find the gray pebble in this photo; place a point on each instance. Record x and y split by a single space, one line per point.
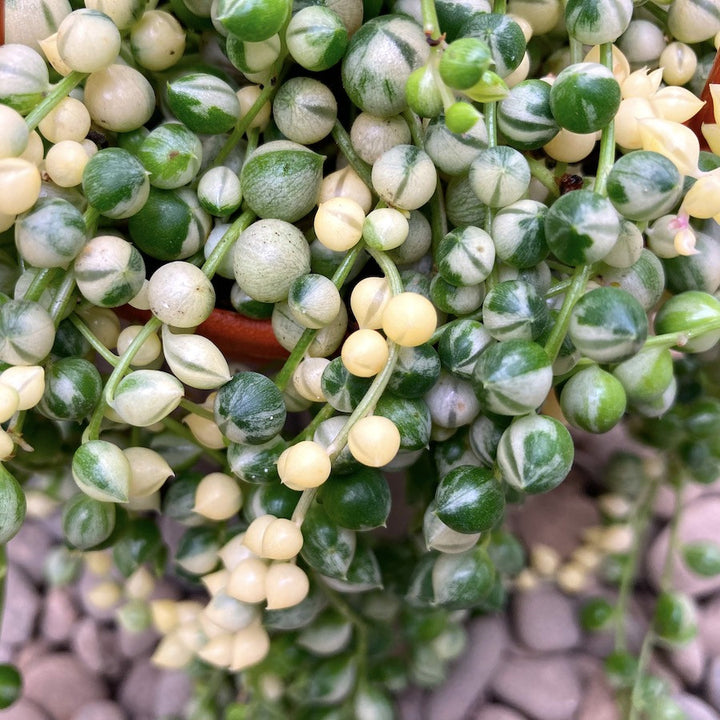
172 694
29 548
22 605
61 685
100 710
712 683
496 712
137 691
545 687
545 619
694 708
698 521
96 647
469 676
59 615
564 533
709 626
598 702
24 710
134 644
688 661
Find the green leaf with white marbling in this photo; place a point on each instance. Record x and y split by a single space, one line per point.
535 454
102 471
195 360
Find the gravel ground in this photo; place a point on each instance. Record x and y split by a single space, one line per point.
532 662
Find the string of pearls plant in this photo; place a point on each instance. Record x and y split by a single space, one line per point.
471 226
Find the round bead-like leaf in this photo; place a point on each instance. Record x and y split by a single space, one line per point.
535 454
102 471
204 103
250 408
357 501
593 400
87 522
688 311
513 377
525 117
462 580
581 227
608 325
469 499
12 506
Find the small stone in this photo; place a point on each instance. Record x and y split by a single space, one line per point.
698 521
598 702
411 704
87 584
712 683
694 708
688 661
29 653
564 533
135 644
545 619
22 605
101 710
172 694
487 640
545 687
59 615
709 626
96 647
137 691
24 710
61 685
496 712
29 548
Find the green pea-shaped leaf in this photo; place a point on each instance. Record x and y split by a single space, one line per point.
535 453
327 548
675 618
690 310
72 389
12 505
204 103
140 543
172 154
410 416
357 501
195 360
608 325
87 522
250 409
256 464
463 580
102 471
329 683
469 499
144 397
281 180
362 575
593 400
702 557
197 551
513 377
269 499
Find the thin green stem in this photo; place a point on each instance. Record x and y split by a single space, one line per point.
91 217
109 357
573 294
151 326
607 139
559 288
669 564
325 412
60 91
342 139
643 660
40 283
682 337
543 174
92 431
245 121
226 242
490 112
62 299
283 377
438 217
431 24
640 520
416 130
304 503
196 409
